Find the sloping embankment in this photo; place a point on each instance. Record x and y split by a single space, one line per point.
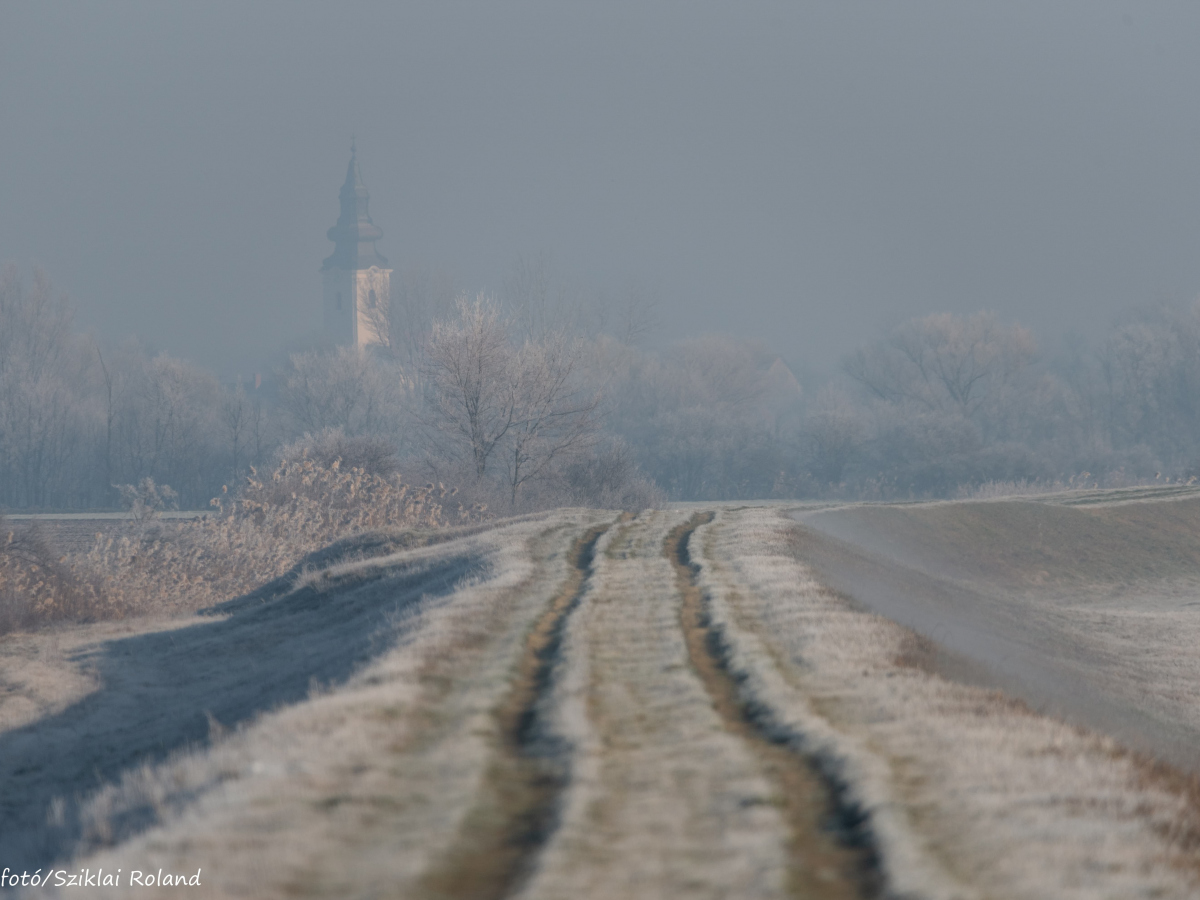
1088 612
358 789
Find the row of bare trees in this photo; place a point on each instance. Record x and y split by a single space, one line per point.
77 419
936 406
465 392
535 399
947 401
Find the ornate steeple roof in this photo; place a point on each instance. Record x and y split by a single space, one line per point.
354 235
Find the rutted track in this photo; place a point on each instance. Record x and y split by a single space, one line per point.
663 801
830 851
519 798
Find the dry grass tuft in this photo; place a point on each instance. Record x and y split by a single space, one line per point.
1183 831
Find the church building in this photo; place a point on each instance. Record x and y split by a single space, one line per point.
356 278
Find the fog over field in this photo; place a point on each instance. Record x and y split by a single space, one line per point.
966 234
801 173
540 450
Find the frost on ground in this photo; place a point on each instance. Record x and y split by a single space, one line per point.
561 706
968 794
664 801
378 771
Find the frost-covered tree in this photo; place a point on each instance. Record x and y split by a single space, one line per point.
419 297
835 432
166 425
966 365
554 410
704 416
491 398
469 371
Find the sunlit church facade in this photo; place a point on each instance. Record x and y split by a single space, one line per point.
356 278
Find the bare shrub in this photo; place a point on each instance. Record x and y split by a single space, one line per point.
147 499
257 534
609 478
260 532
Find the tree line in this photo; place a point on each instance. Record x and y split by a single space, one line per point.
544 396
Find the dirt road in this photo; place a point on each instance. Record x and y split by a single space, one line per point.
580 705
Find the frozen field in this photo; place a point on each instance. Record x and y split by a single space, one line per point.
593 705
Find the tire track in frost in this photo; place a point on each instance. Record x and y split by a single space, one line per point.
829 853
518 807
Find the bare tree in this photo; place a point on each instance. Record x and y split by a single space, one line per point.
43 410
639 316
525 405
1149 373
541 302
469 368
946 363
166 426
110 413
35 325
258 425
718 370
235 419
705 418
554 414
835 432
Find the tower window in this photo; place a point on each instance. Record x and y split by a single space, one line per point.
339 299
372 300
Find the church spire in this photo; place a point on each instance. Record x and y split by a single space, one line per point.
354 235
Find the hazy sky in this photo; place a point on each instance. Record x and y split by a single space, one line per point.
801 172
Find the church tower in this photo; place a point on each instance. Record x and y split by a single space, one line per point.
356 277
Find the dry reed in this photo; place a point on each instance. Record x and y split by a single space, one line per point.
256 534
